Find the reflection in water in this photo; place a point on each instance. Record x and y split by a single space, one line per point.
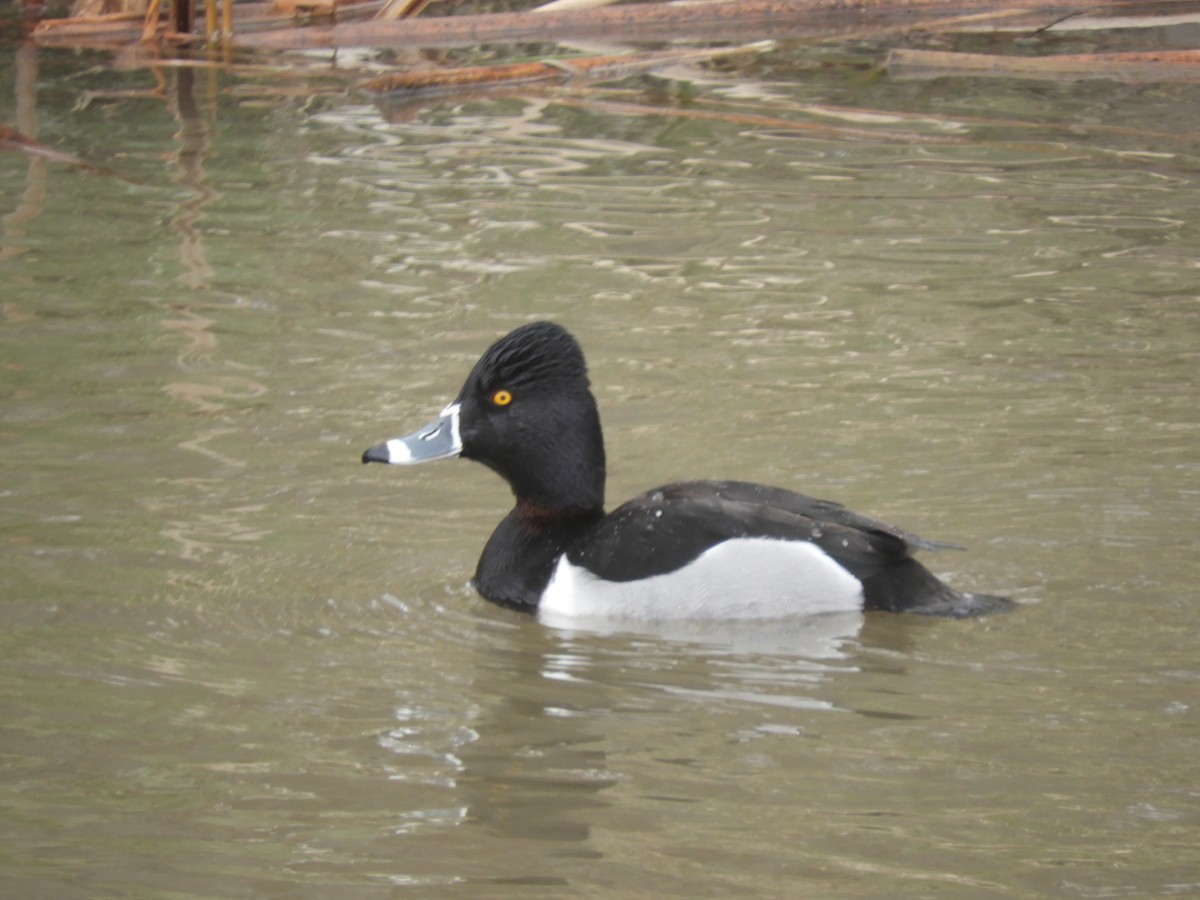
536 764
34 196
578 747
200 341
995 344
208 395
544 758
189 158
811 637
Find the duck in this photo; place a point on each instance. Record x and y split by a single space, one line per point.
689 550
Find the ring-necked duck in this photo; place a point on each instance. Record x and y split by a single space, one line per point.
695 549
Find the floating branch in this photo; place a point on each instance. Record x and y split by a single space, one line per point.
673 21
123 28
1164 65
306 24
550 71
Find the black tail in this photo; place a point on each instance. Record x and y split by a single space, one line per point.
910 587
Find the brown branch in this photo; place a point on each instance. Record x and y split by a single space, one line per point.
11 139
747 19
555 71
1159 65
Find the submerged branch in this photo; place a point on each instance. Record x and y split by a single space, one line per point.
13 140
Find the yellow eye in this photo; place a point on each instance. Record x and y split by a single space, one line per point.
502 398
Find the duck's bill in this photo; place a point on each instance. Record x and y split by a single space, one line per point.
437 440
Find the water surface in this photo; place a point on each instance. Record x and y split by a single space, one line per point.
237 663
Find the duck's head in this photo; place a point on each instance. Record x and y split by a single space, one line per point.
526 411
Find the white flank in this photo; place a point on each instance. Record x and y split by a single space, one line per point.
745 578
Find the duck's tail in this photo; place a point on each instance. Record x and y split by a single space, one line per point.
910 587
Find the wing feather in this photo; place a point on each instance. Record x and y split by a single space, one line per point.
666 528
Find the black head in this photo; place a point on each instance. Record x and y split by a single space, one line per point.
527 412
538 357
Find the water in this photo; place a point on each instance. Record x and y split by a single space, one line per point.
237 663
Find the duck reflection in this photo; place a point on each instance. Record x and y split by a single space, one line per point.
554 703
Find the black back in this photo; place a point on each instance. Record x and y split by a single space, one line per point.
664 529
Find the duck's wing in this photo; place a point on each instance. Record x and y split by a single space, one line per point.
664 529
810 507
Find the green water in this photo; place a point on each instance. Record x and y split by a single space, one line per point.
236 663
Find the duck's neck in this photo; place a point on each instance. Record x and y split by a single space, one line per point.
559 485
520 556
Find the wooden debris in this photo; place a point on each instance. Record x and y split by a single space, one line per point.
123 28
747 19
549 71
339 23
88 26
150 20
87 8
304 7
1164 65
401 9
564 5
